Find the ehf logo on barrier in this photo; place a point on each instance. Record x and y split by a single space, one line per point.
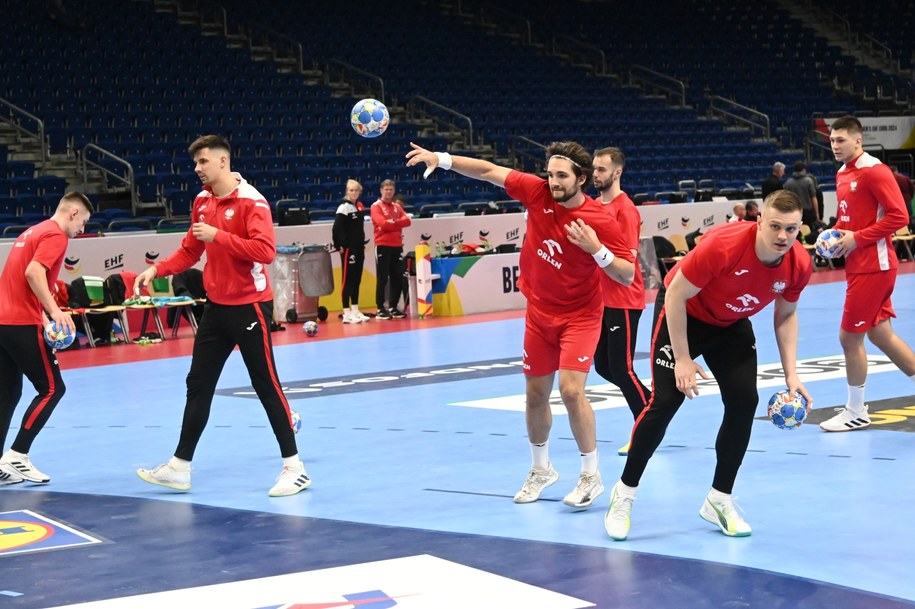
25 531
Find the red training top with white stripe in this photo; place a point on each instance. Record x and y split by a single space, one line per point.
235 271
617 295
735 283
557 275
389 233
45 243
871 205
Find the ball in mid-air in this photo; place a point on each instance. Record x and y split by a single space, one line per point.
370 118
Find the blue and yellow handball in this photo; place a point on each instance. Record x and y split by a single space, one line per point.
370 118
787 411
58 336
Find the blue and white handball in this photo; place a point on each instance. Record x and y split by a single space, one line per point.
296 422
310 328
787 411
58 336
826 241
370 118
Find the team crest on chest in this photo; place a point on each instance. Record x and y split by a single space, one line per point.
779 286
853 185
230 213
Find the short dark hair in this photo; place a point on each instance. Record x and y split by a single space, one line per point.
783 201
576 153
388 182
216 142
800 166
616 155
849 123
78 197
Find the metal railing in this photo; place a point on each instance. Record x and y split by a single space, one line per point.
815 142
283 49
15 117
486 18
588 51
730 109
87 160
519 154
349 72
213 18
422 107
646 77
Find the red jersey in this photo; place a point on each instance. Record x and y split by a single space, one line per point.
235 271
735 283
557 275
45 243
870 204
389 233
617 295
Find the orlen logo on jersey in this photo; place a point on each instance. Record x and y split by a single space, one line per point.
554 248
843 211
746 304
668 353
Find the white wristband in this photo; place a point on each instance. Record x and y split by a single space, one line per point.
604 257
444 160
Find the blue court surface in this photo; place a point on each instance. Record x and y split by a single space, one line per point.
416 443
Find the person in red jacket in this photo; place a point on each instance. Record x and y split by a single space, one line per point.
870 210
26 303
232 224
389 220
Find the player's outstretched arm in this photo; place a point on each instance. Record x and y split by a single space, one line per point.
477 169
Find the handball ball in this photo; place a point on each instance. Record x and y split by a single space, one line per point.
370 118
826 241
296 422
787 411
310 328
58 336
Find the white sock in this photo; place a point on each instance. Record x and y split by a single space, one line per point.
293 462
589 462
626 490
354 309
716 495
855 399
179 465
540 455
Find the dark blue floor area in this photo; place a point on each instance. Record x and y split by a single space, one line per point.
154 546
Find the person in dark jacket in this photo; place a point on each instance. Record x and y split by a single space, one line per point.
774 181
349 240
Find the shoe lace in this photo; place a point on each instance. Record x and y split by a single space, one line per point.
585 481
729 508
620 507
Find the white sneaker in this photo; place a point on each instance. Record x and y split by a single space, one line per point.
349 319
8 478
22 468
846 420
616 520
588 488
725 515
537 480
290 481
361 318
166 475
